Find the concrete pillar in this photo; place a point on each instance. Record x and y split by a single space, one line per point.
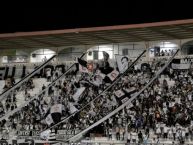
147 51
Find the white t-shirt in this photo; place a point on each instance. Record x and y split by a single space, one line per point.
183 133
189 97
158 130
48 73
174 129
165 129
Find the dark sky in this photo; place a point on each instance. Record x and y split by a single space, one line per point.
33 17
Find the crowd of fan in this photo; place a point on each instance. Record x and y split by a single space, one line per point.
163 108
33 115
25 118
162 111
109 101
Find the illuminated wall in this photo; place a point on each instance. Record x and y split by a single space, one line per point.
39 55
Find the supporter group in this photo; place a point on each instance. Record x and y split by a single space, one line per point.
88 92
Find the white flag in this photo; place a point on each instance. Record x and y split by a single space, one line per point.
119 93
78 93
45 134
113 75
181 66
72 108
49 119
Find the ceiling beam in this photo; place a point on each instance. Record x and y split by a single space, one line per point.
99 37
17 44
41 42
168 34
132 35
187 29
77 42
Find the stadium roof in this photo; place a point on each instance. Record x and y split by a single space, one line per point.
168 30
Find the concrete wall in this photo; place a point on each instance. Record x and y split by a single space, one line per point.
69 53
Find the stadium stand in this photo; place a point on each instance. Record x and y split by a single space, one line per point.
135 91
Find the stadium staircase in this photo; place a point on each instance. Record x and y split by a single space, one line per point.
79 133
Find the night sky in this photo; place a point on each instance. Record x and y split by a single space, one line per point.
34 17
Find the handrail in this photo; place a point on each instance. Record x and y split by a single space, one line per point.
25 78
126 103
36 96
119 77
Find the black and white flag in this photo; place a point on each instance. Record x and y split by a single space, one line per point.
55 114
122 63
78 93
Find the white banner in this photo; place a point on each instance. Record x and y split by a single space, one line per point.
49 119
124 100
78 93
113 75
122 62
181 66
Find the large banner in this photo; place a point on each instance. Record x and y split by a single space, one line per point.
28 134
28 142
181 66
122 63
65 134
